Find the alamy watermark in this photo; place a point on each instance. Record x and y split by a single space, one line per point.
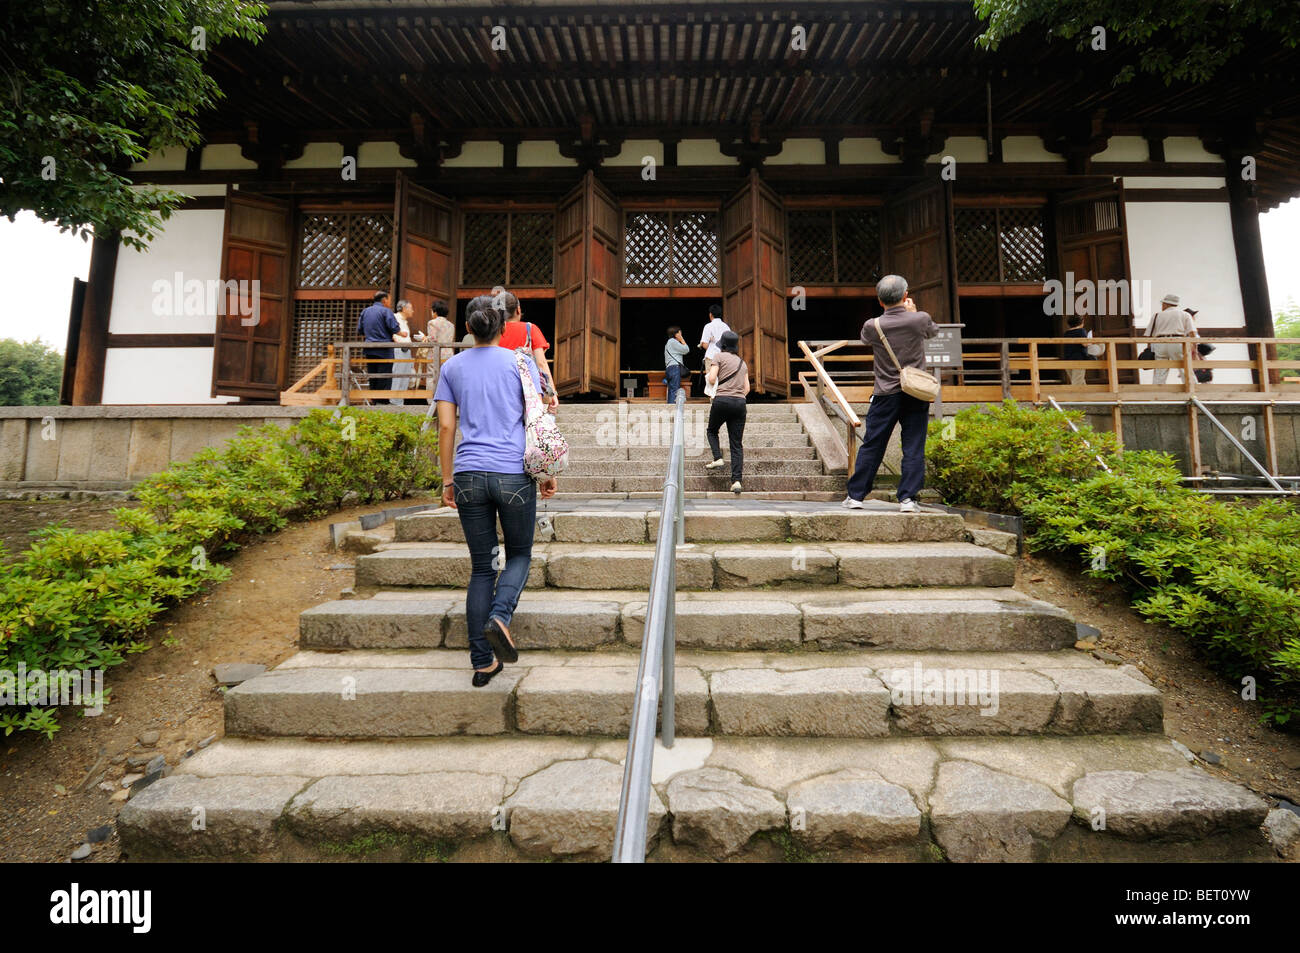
46 689
196 298
976 687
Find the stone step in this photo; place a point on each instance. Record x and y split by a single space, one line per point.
779 438
570 411
701 454
409 693
705 565
879 523
657 469
958 619
616 482
508 798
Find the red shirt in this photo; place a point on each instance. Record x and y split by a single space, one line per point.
516 335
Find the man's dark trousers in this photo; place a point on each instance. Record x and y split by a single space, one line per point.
885 411
380 383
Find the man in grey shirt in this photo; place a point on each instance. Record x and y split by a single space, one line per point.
1170 321
675 352
907 330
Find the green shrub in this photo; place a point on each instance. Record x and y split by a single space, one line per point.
85 600
1226 574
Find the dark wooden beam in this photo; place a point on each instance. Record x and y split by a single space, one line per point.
88 380
159 340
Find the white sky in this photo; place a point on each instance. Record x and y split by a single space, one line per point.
38 263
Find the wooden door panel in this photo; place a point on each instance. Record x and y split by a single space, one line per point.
919 246
588 281
753 282
250 340
424 248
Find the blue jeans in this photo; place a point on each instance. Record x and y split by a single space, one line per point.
674 375
885 411
482 498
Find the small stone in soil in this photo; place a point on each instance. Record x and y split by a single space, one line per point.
157 764
1286 805
232 673
1183 750
1086 633
207 741
120 795
1107 657
149 738
1291 759
98 834
1209 757
130 779
108 786
81 853
1085 646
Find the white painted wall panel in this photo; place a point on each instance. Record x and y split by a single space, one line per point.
1186 248
635 150
479 153
190 245
164 375
800 152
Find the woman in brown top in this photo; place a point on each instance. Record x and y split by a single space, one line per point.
732 377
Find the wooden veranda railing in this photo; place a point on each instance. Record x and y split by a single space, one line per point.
322 386
839 375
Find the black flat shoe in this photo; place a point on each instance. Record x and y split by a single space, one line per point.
482 678
496 638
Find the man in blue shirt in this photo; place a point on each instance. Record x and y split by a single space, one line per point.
378 323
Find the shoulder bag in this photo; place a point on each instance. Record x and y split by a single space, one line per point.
915 383
546 452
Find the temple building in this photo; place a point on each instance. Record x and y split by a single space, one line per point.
622 166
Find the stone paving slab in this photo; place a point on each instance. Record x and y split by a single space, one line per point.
983 798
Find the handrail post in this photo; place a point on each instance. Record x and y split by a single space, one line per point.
1004 368
345 381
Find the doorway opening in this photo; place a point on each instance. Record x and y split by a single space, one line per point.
643 331
831 319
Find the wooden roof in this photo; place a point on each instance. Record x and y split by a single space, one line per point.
688 68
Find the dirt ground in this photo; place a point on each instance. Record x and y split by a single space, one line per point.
50 794
49 790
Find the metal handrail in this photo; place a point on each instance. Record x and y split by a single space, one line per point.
658 658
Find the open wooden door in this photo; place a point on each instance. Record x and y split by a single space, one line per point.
250 357
588 279
753 283
919 246
424 250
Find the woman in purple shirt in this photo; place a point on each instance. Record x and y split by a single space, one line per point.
486 480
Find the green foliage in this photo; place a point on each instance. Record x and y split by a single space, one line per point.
90 88
30 374
86 600
1225 574
1188 40
1286 324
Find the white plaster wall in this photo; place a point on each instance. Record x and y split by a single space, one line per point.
318 155
1174 182
165 160
382 155
634 150
1027 149
225 155
1188 149
1186 248
478 153
965 149
701 152
1124 149
162 375
865 152
542 152
190 244
800 152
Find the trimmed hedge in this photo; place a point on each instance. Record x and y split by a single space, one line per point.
78 601
1226 574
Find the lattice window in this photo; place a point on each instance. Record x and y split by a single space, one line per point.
670 248
316 325
695 248
532 250
345 250
810 236
857 246
486 239
833 246
647 239
1000 245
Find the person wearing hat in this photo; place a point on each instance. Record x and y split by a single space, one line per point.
731 375
1170 321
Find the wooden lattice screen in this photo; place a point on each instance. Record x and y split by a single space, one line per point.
345 250
670 248
1000 245
318 323
515 249
833 246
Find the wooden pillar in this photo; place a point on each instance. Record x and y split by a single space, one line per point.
88 379
1244 211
